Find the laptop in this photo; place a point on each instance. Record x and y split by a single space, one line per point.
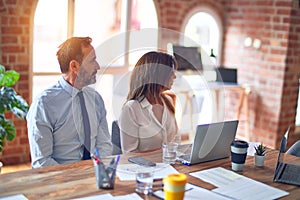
188 58
226 75
286 172
211 142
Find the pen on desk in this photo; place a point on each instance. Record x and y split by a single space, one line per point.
95 158
158 185
162 185
184 162
112 162
97 152
101 168
188 189
110 170
113 168
118 158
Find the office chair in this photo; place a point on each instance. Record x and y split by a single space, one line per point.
115 138
294 149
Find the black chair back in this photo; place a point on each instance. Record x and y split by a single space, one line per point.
115 138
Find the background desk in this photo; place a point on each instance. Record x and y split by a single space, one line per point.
78 179
206 100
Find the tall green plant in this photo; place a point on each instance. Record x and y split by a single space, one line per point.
9 101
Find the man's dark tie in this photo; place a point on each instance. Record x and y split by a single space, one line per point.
87 128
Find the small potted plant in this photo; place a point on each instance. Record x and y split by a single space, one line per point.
260 154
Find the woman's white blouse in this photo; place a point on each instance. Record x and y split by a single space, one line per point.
141 131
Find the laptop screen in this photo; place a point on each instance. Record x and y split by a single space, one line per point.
188 58
281 149
286 171
212 141
226 75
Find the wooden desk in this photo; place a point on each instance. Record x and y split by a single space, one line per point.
78 179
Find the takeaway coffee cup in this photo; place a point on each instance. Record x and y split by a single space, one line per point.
238 154
174 186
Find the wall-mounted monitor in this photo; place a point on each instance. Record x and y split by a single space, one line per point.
226 75
188 58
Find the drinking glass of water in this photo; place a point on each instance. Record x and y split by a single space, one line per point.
169 152
144 182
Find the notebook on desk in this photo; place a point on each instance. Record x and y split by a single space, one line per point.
211 142
286 172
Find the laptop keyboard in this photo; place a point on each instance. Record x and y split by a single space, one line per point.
291 174
186 157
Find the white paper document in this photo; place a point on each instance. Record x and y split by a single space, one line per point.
197 193
217 176
236 186
132 196
248 189
107 196
126 172
14 197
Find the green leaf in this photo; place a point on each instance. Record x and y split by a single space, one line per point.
20 112
2 69
2 72
10 101
1 144
10 78
260 149
7 130
2 108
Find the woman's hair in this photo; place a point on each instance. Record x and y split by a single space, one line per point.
151 76
70 50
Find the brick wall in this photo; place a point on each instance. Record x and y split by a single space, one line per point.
273 70
292 72
14 51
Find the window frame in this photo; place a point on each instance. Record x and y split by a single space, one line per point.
125 28
218 20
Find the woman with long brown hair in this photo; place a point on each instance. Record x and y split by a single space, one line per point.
148 119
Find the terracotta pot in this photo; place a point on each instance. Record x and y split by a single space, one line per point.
259 160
